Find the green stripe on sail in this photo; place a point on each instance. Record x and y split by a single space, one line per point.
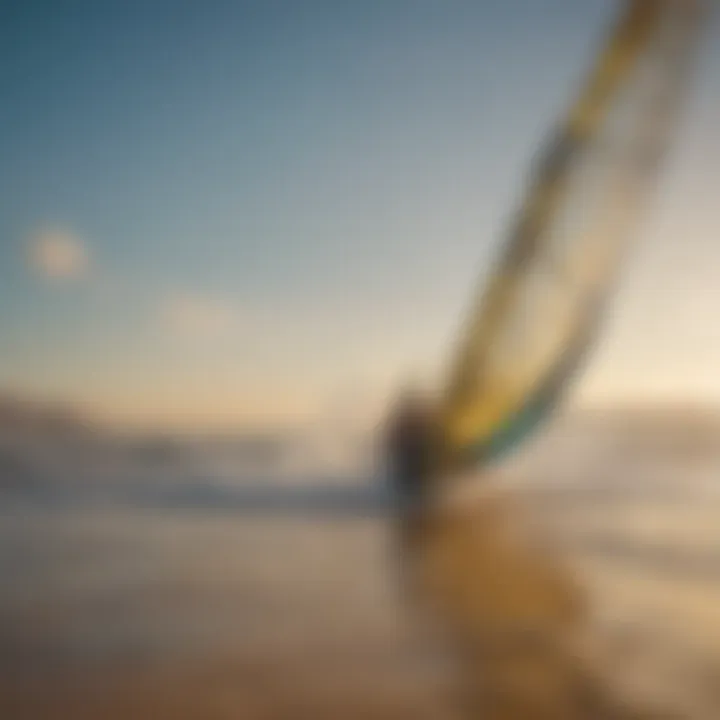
540 405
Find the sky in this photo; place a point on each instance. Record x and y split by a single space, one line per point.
257 212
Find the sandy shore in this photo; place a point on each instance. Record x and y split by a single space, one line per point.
199 615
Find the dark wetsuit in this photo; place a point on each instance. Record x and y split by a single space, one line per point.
411 451
411 448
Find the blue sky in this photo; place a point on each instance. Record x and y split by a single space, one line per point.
243 210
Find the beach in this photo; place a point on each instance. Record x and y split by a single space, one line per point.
229 604
187 614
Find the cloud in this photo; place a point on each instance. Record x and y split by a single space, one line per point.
192 315
59 254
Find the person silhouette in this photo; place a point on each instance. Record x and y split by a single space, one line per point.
411 447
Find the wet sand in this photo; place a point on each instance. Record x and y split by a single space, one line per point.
117 613
185 615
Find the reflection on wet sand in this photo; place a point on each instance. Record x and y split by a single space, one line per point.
515 617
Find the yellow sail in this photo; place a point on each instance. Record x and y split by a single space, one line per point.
539 315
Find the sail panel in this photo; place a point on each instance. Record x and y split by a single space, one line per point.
525 339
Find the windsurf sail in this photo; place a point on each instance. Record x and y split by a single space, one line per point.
527 335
